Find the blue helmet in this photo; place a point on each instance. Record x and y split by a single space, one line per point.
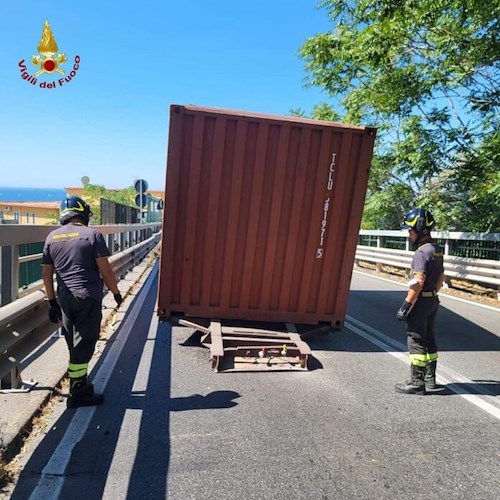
74 207
420 220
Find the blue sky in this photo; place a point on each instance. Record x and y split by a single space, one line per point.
110 122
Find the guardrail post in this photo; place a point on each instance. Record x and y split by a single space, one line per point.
9 269
446 246
12 382
122 242
110 243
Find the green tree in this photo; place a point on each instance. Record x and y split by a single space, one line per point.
425 72
93 193
53 218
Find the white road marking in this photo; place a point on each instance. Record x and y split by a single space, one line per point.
441 294
486 402
122 465
120 470
52 478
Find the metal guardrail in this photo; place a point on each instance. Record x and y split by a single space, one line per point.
486 272
24 322
465 245
118 238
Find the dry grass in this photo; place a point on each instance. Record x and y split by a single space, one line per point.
7 470
7 474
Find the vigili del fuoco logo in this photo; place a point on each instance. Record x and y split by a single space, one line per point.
49 62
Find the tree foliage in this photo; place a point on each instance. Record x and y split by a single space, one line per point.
53 218
93 193
426 73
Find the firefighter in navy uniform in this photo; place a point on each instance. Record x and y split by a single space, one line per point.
421 304
79 257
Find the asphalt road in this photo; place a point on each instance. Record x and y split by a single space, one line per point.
172 428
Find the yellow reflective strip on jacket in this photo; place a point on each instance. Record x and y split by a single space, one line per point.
432 356
418 359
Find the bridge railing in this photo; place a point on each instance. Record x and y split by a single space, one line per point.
464 254
457 244
13 237
24 322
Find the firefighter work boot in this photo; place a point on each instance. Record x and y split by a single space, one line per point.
416 383
82 394
430 376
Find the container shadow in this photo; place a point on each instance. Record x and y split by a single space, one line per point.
135 420
454 332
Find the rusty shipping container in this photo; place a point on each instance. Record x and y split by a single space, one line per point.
261 217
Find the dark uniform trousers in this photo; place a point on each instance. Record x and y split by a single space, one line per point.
420 329
81 321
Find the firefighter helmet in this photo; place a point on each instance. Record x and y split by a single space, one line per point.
74 206
420 220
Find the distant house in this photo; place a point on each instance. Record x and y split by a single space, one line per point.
29 212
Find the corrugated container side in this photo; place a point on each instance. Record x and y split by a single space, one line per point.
261 216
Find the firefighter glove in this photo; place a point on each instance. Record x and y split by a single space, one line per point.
55 313
118 298
404 310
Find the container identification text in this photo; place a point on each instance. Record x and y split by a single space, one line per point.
326 208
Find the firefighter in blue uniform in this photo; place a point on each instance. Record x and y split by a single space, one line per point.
79 257
421 304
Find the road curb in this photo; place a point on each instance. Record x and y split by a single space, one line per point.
19 411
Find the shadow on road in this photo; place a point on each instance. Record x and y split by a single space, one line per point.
479 387
216 399
139 397
87 475
378 309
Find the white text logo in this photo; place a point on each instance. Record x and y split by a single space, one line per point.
326 208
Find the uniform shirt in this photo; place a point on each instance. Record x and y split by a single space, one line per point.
428 260
73 250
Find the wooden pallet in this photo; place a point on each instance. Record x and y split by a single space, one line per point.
253 349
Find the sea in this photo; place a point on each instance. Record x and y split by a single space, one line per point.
32 194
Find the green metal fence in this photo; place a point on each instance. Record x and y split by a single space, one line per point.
480 246
30 272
